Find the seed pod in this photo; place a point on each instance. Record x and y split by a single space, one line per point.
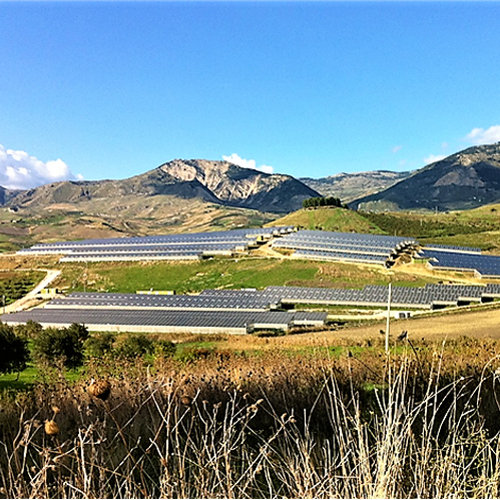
51 428
100 389
186 400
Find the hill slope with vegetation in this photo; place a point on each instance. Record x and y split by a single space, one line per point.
477 228
351 186
328 219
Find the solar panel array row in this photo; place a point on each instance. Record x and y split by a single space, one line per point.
235 302
371 295
173 246
483 265
326 245
160 320
237 311
451 248
341 256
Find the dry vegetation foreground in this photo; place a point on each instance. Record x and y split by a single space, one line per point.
336 422
317 415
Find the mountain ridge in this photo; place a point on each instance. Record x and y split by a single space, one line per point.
218 182
467 179
350 186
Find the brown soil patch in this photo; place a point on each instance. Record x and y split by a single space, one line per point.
478 324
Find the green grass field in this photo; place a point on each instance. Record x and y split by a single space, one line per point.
186 277
328 219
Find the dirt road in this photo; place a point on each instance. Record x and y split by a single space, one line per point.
30 298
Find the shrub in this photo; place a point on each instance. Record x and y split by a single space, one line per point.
321 201
136 345
165 348
14 353
99 345
61 346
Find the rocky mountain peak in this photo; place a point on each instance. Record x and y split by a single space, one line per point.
213 181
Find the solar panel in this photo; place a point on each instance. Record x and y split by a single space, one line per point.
486 265
165 302
173 246
241 321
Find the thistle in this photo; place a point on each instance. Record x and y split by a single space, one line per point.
100 389
51 428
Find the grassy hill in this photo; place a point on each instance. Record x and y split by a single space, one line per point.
479 227
329 219
163 214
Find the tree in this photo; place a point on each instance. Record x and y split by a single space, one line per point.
14 353
30 330
65 346
322 202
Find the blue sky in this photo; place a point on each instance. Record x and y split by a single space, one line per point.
110 90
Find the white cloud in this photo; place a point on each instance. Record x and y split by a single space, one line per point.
479 136
433 158
19 170
395 149
241 162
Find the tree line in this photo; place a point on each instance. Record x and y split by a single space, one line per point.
68 347
322 201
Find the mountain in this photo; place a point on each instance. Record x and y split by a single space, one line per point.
212 181
349 187
467 179
6 195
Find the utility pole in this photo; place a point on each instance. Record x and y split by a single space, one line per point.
388 325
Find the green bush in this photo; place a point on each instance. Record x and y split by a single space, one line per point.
321 201
136 345
14 353
99 345
61 346
165 348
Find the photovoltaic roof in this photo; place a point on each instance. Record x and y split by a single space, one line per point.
485 265
314 245
186 319
235 302
236 310
337 246
172 246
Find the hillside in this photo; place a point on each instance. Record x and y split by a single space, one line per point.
479 227
212 181
124 216
468 179
328 219
349 187
178 196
